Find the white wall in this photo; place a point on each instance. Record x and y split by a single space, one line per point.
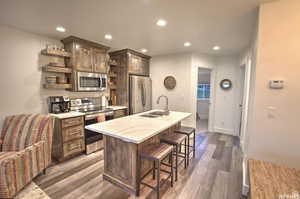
274 123
184 67
179 66
21 78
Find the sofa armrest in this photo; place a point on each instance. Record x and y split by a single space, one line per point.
19 168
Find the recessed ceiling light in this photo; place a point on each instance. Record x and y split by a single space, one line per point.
108 36
161 22
144 50
216 48
60 29
187 44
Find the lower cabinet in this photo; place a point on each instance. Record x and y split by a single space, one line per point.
68 138
120 113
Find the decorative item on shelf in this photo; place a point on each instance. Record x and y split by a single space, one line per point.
170 82
62 80
51 79
53 50
226 84
112 74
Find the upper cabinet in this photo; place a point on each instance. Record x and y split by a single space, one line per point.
129 62
138 63
87 56
83 58
100 61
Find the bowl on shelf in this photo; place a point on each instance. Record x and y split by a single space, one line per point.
51 79
62 80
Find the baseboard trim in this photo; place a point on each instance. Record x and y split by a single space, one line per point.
223 130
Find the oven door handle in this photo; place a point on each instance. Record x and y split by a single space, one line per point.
89 117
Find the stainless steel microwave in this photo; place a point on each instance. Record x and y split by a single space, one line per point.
91 81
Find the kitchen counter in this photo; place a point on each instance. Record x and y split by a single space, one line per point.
269 181
124 139
136 128
67 115
115 108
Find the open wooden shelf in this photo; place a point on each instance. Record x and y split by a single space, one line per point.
56 69
58 86
56 53
112 87
114 65
111 75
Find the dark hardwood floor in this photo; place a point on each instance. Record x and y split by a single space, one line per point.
215 173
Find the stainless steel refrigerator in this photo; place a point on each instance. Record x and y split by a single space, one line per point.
140 94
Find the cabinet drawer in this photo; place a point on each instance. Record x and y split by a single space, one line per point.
74 146
72 122
119 113
72 133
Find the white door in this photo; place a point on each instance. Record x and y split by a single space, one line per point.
241 99
211 101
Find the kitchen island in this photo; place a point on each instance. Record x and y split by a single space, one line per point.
125 138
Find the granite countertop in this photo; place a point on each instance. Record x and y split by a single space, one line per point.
67 115
137 129
270 181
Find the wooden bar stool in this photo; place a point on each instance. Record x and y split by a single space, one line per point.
188 131
176 140
157 153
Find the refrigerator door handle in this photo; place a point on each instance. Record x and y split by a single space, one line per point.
143 94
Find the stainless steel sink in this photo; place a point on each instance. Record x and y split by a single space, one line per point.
155 114
160 113
150 115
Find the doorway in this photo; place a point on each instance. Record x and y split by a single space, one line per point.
204 88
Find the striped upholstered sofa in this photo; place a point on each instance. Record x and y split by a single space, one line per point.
25 151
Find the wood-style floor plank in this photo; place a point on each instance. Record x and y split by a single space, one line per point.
214 173
220 188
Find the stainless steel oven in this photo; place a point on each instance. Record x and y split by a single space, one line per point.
91 81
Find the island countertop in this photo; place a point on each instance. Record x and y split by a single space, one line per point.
135 128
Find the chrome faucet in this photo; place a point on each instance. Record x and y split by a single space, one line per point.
166 110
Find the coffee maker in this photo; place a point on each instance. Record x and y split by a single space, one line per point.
59 104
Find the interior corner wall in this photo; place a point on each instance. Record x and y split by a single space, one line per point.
21 76
273 128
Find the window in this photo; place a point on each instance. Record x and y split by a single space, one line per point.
203 91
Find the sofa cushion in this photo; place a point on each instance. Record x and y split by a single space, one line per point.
21 131
19 168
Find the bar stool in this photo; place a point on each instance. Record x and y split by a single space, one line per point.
188 131
157 153
176 140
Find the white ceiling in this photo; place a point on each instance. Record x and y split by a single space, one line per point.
132 23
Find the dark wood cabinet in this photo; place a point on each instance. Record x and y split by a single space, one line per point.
99 60
68 138
129 62
138 65
83 58
87 56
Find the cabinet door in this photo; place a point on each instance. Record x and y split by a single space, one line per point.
83 58
134 64
99 60
145 67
